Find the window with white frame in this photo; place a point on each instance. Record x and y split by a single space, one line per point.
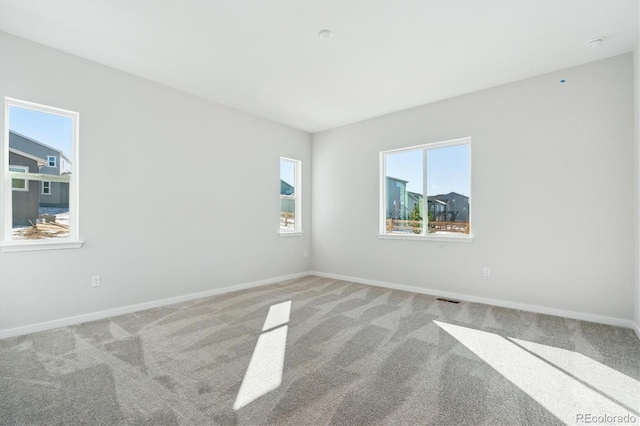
36 135
19 184
290 196
425 190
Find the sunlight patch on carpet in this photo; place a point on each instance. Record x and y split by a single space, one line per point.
264 372
614 384
564 396
278 315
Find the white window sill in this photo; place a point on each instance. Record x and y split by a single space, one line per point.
452 238
291 234
40 245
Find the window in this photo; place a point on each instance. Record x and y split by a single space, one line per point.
290 198
19 184
434 178
39 200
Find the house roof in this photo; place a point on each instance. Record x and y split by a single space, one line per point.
40 161
286 188
445 196
415 195
62 154
396 179
432 199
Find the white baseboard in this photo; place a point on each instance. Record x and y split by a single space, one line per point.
619 322
63 322
33 328
636 328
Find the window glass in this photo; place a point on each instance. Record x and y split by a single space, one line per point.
290 201
448 186
404 189
46 188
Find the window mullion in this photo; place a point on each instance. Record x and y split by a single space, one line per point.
425 203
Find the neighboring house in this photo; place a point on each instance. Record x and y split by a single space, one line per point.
451 207
397 199
415 199
287 199
26 195
286 188
52 161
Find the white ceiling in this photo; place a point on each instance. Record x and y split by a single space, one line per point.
265 57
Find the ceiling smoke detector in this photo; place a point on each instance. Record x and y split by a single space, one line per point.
594 43
325 34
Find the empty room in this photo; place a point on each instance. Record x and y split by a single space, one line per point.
320 212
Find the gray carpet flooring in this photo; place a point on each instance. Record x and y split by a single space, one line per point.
353 355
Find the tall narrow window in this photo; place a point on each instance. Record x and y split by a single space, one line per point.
290 197
425 190
40 179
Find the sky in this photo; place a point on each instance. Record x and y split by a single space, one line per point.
50 129
287 171
447 169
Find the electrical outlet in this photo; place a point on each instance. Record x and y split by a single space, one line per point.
95 281
305 254
487 271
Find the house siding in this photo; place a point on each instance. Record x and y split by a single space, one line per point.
397 198
287 200
59 196
25 203
456 207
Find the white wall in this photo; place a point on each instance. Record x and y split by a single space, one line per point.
150 233
553 194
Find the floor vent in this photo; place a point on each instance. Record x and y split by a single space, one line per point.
447 300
